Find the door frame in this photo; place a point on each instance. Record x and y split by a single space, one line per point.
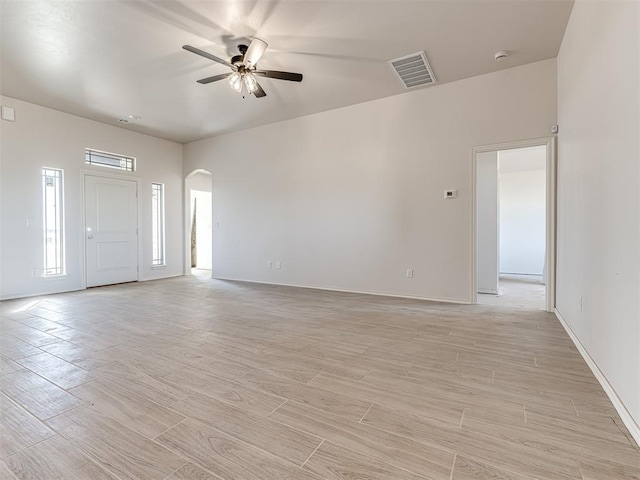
551 186
83 247
187 218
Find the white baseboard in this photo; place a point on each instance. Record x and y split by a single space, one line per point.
361 292
160 277
488 291
626 417
18 296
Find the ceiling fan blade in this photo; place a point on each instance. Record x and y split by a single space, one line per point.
215 78
292 77
259 92
254 52
204 54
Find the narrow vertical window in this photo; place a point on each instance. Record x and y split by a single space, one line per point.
157 224
53 222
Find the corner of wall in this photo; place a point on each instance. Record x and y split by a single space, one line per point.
608 388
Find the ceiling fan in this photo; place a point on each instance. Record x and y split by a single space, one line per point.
244 68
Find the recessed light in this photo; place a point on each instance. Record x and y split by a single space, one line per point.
499 56
135 117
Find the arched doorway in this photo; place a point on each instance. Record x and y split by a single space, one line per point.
198 223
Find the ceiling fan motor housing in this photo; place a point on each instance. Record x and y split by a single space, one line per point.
238 60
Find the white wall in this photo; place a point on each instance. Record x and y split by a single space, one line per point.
523 221
44 137
598 189
487 221
351 198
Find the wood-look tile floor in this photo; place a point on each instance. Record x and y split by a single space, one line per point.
192 378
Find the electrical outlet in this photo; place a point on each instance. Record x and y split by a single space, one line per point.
269 264
278 265
449 194
409 272
579 303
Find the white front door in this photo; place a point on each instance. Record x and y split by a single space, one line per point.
111 236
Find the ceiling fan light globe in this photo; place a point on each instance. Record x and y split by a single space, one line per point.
235 80
250 82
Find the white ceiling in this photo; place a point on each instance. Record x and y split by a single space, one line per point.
107 59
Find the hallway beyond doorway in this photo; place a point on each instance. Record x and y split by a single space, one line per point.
504 243
517 291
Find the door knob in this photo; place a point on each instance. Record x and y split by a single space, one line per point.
90 237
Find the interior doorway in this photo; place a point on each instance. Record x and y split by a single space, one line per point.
199 223
201 230
514 227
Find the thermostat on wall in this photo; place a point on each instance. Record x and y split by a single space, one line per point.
450 193
8 113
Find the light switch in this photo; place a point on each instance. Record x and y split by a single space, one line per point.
450 194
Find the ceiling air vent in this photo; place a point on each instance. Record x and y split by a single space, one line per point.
413 70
